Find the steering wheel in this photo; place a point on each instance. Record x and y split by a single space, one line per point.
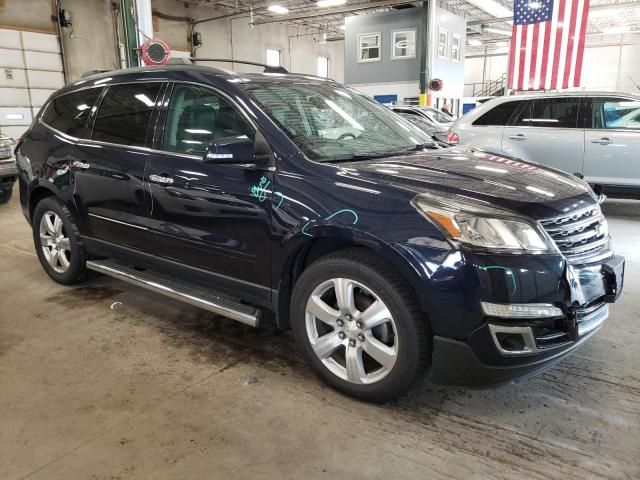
344 136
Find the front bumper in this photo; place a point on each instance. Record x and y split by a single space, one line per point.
502 350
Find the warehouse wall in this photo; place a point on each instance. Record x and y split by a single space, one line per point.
614 66
90 44
299 48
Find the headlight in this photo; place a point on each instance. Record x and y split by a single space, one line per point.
483 226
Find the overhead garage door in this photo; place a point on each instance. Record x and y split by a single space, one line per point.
30 70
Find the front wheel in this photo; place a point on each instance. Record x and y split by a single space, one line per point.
359 326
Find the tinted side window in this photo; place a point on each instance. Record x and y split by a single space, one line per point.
124 114
499 115
69 113
196 116
551 113
615 113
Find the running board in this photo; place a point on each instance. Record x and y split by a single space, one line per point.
186 292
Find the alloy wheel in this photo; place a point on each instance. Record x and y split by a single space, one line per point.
54 242
351 331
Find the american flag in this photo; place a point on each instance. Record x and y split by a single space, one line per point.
547 44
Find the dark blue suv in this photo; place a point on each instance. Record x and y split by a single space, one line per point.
386 254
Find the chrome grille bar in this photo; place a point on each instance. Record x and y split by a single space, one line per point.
579 233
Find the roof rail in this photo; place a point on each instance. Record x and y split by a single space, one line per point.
88 73
267 68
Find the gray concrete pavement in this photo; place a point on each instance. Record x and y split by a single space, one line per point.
107 381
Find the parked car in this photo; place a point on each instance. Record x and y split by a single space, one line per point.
424 124
385 258
8 171
597 133
435 116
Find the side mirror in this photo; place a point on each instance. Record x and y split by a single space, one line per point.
231 150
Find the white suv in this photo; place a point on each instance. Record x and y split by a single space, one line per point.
592 135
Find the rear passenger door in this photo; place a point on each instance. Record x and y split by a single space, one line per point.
612 141
547 131
109 170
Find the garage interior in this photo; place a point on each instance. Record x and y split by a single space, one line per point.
104 380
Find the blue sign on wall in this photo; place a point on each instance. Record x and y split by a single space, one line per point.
386 99
467 107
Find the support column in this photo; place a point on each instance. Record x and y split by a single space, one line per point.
425 56
130 33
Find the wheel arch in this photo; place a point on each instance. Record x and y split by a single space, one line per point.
319 247
42 190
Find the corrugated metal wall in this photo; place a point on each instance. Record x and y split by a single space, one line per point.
30 70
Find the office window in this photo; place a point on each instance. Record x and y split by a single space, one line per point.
323 67
273 57
443 44
404 44
125 112
455 48
369 47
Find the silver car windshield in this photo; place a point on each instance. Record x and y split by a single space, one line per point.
328 123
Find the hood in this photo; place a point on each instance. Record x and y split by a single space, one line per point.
525 188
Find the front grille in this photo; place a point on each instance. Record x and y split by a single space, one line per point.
579 234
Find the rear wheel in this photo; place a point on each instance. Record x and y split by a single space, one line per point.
57 241
359 326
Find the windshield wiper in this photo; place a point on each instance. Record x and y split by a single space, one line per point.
357 157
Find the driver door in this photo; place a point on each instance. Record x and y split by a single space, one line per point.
205 215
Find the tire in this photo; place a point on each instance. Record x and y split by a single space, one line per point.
347 363
5 194
64 235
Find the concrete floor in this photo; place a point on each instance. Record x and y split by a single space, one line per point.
107 381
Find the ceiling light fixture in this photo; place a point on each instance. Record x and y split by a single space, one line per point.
475 42
278 9
330 3
492 8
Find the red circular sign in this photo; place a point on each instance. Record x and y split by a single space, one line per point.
155 52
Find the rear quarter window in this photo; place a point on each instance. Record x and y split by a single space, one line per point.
499 115
68 113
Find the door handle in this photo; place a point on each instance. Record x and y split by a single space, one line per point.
519 136
78 164
165 180
602 141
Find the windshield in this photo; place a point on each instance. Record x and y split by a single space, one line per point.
328 123
439 116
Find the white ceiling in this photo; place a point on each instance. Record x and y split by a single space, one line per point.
604 14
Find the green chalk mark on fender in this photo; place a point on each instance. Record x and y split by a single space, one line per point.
356 219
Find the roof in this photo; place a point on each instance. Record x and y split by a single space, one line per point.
185 72
570 93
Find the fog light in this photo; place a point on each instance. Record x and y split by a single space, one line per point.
520 310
